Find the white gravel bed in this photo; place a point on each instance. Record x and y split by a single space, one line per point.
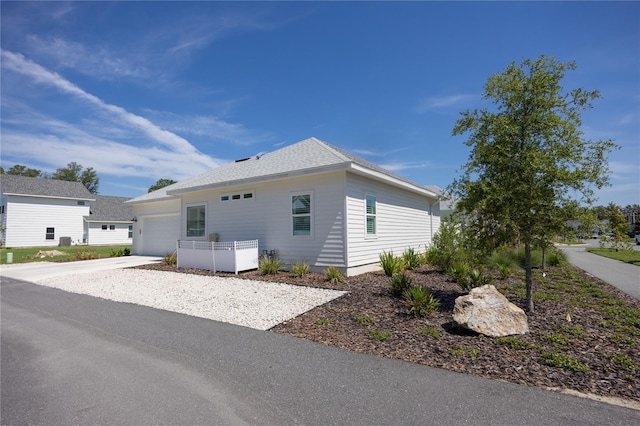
256 304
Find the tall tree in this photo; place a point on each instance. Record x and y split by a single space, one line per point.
161 183
530 166
74 173
21 170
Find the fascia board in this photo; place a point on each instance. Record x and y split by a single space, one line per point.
391 180
48 196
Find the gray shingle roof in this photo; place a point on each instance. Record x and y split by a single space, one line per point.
303 157
21 185
110 209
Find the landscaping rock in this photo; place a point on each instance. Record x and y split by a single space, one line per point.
486 311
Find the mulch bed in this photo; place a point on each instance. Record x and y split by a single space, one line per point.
612 357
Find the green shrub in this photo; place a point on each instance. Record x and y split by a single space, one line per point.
514 342
391 264
399 283
559 360
363 319
170 259
411 259
381 335
459 272
300 269
556 257
419 301
447 246
323 321
505 271
270 266
116 253
334 274
86 255
431 332
126 251
477 278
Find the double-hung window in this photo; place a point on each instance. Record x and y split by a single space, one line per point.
50 234
301 214
371 215
196 216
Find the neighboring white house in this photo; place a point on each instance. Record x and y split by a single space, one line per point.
49 212
309 201
110 221
38 212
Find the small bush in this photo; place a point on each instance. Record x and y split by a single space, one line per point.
363 319
411 259
419 301
514 342
431 332
270 266
333 274
300 269
391 264
116 253
559 360
556 257
459 272
381 335
477 278
505 271
323 321
170 259
399 283
126 251
86 255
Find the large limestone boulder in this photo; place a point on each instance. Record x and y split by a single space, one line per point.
485 310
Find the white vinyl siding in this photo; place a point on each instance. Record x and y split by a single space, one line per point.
402 218
107 234
27 220
157 228
267 216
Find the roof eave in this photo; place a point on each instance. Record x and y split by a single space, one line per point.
355 168
49 196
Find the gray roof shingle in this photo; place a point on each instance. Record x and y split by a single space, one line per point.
110 209
305 156
21 185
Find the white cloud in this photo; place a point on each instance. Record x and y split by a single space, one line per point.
398 166
440 102
29 135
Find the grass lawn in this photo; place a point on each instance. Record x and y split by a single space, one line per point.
28 254
627 256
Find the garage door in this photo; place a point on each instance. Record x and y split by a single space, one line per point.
159 235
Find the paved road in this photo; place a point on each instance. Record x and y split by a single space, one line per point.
622 275
74 359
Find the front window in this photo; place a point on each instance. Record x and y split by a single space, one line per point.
130 231
50 234
371 215
196 221
301 214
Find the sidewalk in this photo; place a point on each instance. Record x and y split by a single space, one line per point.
624 276
40 270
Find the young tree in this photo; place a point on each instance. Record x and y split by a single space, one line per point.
618 226
530 166
74 173
161 183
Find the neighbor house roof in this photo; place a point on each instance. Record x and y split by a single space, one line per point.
306 157
106 208
40 187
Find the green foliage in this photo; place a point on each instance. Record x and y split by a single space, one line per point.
86 255
391 264
363 319
528 158
382 335
627 256
477 278
557 338
505 271
621 339
161 183
333 274
514 342
20 170
399 283
574 330
447 246
411 259
419 301
74 173
467 277
556 359
300 269
323 321
625 362
170 259
430 332
270 265
556 257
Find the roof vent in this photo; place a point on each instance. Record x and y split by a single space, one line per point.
243 159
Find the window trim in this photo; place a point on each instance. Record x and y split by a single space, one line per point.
368 215
186 222
293 215
50 235
130 232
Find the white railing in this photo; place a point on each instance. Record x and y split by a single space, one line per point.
231 256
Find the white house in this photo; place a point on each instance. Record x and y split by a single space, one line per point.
110 221
49 212
309 201
38 212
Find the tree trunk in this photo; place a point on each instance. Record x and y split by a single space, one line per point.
528 276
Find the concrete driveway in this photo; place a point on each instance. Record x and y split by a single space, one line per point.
41 270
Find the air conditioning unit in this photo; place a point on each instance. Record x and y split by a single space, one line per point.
214 238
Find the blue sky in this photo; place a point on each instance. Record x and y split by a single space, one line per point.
147 90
